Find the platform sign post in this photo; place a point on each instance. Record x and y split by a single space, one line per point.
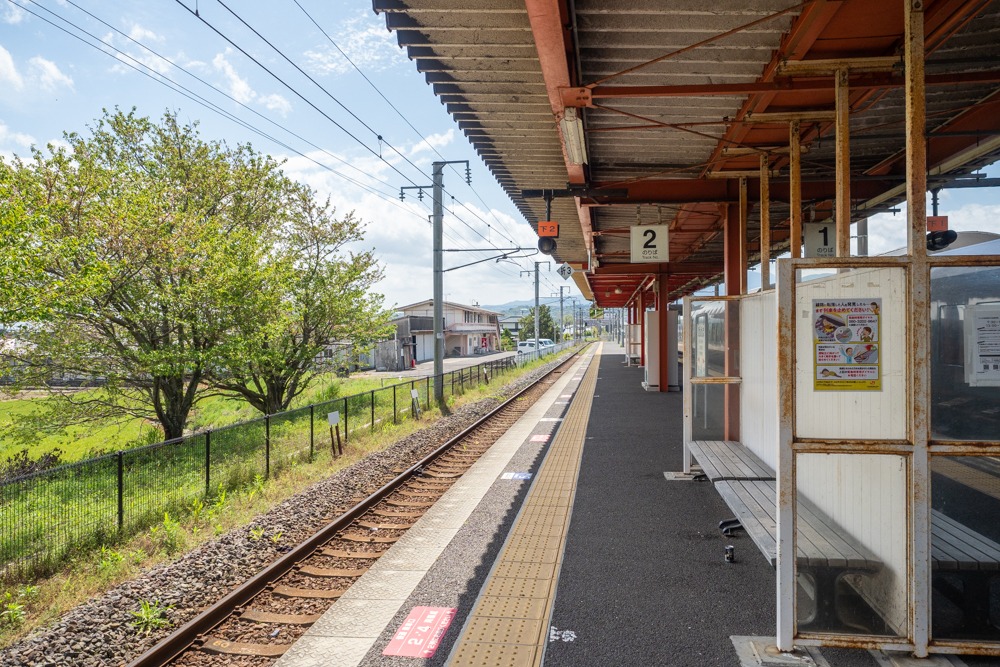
415 402
649 243
335 444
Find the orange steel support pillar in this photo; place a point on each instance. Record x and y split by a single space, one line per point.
795 188
843 165
736 277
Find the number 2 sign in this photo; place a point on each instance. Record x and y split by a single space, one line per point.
650 243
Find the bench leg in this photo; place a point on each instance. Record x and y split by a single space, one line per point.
727 526
976 603
825 617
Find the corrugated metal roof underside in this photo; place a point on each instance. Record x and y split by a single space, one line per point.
484 65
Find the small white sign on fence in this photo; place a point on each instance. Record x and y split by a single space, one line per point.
414 394
333 418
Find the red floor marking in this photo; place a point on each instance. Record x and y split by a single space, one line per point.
420 634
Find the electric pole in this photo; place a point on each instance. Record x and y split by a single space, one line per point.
537 324
437 218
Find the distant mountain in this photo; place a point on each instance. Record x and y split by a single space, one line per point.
514 307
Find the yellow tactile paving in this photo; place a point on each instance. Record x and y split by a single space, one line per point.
509 625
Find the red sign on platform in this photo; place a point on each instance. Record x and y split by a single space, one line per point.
548 228
420 634
937 223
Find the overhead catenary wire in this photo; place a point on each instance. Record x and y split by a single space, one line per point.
154 74
404 119
186 92
198 99
374 132
175 86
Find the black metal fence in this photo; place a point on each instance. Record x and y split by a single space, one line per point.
45 516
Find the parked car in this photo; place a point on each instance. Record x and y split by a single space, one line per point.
525 346
546 342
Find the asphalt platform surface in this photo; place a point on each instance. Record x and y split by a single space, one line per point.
644 579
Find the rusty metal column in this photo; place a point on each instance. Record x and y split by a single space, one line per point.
795 188
765 222
735 275
843 167
731 249
785 525
919 315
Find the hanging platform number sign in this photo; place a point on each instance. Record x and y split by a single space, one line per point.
649 243
820 239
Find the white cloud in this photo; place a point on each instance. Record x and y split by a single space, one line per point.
434 142
241 91
48 74
16 138
276 102
140 34
365 41
8 71
237 86
887 231
401 235
12 14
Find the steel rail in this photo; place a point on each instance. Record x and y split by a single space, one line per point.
184 637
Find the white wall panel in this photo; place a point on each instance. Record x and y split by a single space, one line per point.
759 372
854 414
866 495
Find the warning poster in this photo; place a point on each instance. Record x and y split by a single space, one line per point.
846 336
982 344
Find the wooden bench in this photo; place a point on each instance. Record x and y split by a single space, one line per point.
824 552
727 459
958 552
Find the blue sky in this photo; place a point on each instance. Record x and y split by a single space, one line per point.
54 82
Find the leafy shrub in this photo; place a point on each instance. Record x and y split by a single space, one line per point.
21 464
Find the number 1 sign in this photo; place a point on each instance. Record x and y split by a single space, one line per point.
650 243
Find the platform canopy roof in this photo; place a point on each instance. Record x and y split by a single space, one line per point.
676 99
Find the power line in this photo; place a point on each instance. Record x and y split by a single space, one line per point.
175 86
377 90
377 134
186 92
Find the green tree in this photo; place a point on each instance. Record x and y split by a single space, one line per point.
135 247
507 340
325 296
546 325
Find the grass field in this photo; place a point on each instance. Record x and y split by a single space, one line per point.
90 501
81 442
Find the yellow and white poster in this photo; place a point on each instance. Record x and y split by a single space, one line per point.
846 336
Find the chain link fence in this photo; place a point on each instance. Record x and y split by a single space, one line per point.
47 515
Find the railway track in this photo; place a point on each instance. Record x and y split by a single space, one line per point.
258 621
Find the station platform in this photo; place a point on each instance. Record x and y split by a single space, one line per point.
567 545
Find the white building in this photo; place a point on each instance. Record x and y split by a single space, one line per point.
467 329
